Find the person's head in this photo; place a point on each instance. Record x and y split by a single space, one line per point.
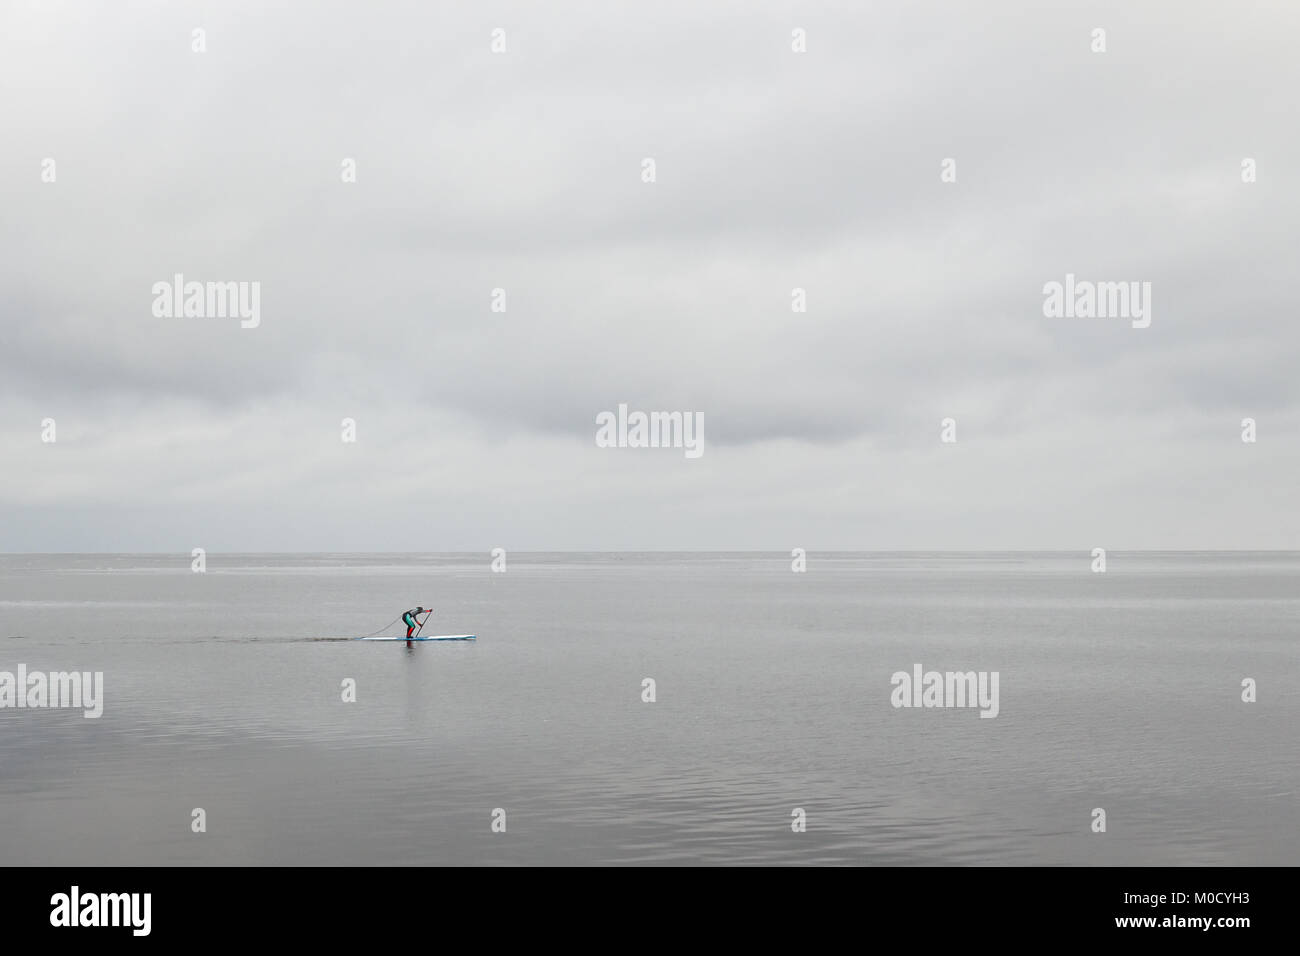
419 610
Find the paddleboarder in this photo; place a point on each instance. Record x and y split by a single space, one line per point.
409 619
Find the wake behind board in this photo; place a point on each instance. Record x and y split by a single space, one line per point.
422 637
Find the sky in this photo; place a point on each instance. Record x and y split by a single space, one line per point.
920 170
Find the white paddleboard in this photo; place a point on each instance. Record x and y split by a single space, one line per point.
422 637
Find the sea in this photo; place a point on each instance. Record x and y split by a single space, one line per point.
654 709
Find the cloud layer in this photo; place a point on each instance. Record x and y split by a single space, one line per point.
522 171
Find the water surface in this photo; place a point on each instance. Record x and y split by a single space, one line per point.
223 691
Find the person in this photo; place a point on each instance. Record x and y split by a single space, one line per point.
409 619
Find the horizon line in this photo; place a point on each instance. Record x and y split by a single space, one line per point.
211 551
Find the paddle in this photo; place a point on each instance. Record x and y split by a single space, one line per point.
428 614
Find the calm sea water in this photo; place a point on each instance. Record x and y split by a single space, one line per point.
223 691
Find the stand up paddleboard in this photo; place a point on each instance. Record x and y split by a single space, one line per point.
421 637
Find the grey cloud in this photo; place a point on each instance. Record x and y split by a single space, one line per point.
775 171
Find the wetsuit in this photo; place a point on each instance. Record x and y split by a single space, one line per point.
409 620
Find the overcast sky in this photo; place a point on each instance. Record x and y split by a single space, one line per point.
523 170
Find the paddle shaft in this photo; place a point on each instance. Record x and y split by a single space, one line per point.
428 614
